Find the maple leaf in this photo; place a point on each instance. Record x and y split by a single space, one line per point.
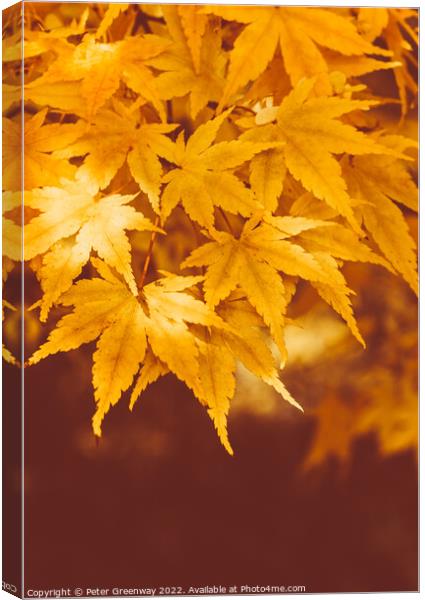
204 179
105 308
102 305
120 135
194 63
245 342
98 223
312 135
157 340
40 166
98 68
11 231
252 262
378 181
298 31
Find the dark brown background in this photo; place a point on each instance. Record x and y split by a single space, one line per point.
159 502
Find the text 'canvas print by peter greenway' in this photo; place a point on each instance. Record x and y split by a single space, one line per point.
210 333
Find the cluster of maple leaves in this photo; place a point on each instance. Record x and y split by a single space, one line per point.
243 145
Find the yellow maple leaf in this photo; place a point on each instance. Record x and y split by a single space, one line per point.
204 179
219 352
97 69
252 262
378 181
158 339
298 31
194 63
97 223
312 136
39 141
11 231
105 308
119 135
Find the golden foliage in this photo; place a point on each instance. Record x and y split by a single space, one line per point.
243 139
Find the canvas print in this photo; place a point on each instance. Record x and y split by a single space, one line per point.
209 299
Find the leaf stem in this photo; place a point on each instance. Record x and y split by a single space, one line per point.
148 255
